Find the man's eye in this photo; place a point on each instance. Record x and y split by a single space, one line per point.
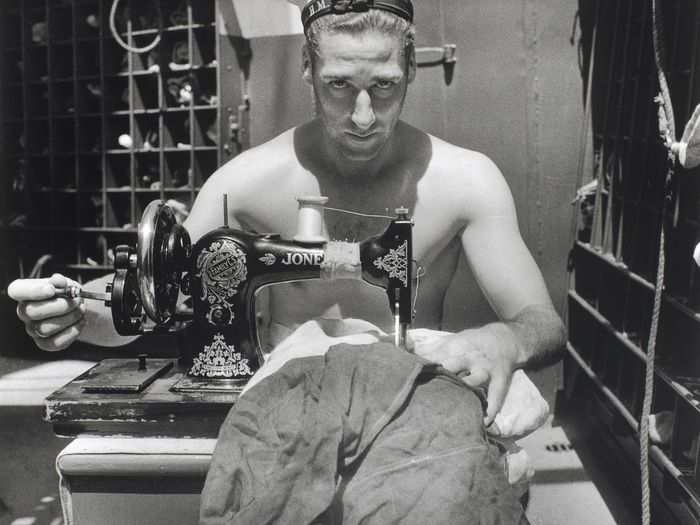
385 84
338 84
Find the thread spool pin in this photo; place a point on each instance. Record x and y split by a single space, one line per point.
310 219
401 213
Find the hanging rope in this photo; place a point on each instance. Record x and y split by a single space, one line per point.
668 133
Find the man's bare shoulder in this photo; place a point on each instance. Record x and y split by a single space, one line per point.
250 179
463 164
467 178
257 165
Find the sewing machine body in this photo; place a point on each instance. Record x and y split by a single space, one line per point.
222 272
228 267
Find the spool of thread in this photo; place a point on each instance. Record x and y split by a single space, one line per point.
310 219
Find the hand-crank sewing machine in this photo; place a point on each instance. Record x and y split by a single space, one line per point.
120 409
223 271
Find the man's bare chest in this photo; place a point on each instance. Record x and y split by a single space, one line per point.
355 210
430 235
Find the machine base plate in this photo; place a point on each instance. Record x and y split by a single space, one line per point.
123 375
203 384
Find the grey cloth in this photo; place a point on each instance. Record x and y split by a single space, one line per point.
365 434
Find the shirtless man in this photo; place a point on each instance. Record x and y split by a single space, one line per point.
362 157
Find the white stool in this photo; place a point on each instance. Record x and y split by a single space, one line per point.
130 481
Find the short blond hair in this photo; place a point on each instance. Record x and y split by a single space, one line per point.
356 23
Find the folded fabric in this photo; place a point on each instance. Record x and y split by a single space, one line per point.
524 409
362 433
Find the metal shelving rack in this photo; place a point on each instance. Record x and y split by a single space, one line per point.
70 92
616 252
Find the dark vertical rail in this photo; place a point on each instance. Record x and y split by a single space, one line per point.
615 199
617 142
639 141
693 60
28 174
53 204
223 137
688 109
103 32
132 122
4 162
191 112
597 235
76 122
161 114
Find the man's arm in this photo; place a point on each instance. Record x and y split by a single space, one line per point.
530 333
507 272
55 323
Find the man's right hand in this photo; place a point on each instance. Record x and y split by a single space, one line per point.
53 322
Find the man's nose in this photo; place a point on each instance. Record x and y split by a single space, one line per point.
363 116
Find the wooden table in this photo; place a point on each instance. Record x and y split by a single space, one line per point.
137 457
156 411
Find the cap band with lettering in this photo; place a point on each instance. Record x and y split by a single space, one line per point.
318 8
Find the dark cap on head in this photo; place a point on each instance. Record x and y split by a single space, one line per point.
317 8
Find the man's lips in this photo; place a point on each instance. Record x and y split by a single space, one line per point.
361 136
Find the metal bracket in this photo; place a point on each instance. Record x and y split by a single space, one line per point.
446 55
437 55
238 126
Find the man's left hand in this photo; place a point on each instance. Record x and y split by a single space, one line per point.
484 357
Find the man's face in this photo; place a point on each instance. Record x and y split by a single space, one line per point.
360 84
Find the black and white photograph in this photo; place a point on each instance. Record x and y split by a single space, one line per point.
349 262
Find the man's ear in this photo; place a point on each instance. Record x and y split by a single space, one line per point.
411 63
306 67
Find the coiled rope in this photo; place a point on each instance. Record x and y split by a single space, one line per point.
668 133
115 33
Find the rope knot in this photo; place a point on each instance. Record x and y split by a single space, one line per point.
665 131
